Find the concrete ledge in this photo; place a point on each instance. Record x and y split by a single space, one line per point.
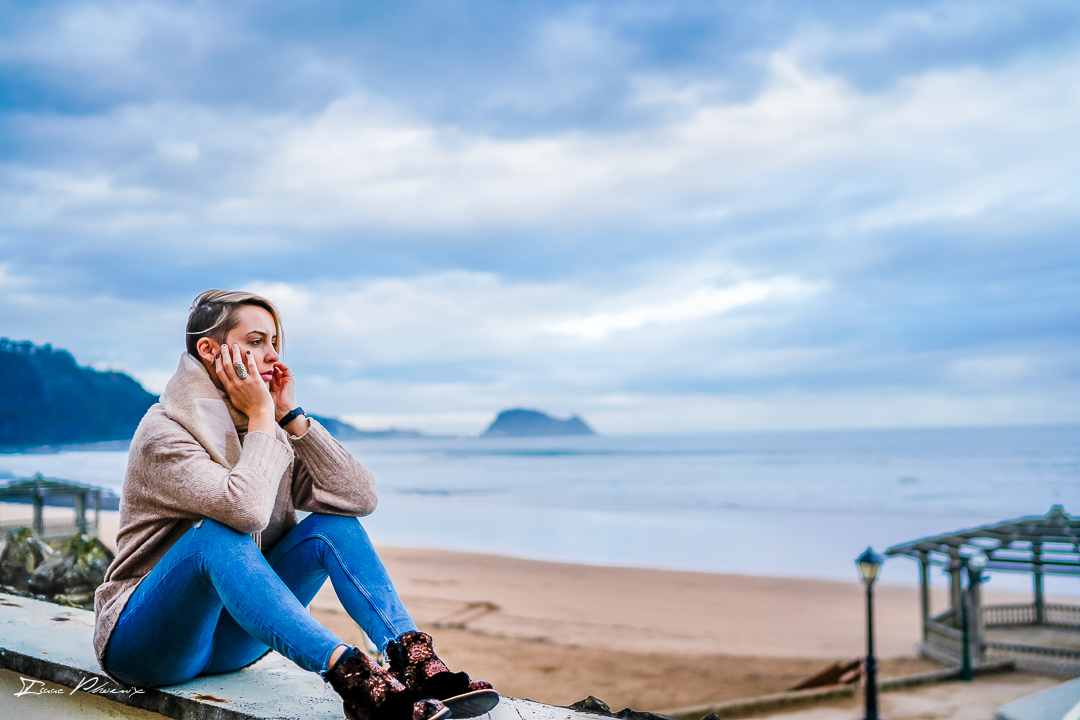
54 644
1050 704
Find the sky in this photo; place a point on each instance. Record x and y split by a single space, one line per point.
662 216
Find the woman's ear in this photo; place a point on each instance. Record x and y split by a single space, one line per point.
207 350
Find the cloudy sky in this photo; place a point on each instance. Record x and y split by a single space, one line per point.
665 216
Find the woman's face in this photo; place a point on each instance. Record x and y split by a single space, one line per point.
256 334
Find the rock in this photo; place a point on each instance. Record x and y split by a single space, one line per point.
596 706
72 573
592 704
520 422
20 555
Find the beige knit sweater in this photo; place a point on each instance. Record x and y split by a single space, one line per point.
192 458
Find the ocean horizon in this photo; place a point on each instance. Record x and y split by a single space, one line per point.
778 503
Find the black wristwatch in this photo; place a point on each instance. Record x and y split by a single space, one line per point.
290 416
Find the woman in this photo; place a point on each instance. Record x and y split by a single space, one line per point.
212 568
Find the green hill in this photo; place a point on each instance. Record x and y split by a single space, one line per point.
47 399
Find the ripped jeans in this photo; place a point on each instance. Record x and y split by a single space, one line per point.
214 603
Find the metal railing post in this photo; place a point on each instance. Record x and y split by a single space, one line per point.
79 501
97 511
1037 573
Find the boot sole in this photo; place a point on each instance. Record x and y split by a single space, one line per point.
443 714
473 703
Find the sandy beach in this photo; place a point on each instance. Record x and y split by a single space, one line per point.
647 639
641 638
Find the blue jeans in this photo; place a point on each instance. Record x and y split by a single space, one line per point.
213 603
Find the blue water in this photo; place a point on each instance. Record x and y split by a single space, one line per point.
784 503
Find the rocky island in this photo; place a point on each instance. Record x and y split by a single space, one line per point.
520 422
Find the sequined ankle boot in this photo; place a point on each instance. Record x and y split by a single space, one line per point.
370 693
414 663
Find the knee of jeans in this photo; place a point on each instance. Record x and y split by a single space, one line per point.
341 528
344 522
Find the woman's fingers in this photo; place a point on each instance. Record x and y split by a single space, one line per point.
226 367
221 365
239 364
227 357
252 366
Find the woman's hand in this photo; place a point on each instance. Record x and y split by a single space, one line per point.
248 395
283 390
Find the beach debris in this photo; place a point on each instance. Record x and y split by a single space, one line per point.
596 706
20 555
841 672
470 612
73 572
209 698
592 704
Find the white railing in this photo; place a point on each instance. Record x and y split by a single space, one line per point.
940 636
1017 614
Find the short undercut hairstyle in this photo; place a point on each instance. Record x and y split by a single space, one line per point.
213 315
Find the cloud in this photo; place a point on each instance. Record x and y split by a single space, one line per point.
365 164
604 207
483 320
701 303
992 371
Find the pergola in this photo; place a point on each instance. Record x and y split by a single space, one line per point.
37 489
1041 545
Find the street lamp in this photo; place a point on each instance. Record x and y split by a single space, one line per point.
869 564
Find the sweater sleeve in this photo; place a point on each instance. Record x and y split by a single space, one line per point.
327 478
178 476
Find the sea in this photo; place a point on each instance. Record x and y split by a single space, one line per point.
791 504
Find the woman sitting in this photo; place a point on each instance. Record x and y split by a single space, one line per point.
212 568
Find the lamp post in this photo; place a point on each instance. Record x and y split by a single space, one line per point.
869 564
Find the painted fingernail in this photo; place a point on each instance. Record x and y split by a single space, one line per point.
218 356
249 352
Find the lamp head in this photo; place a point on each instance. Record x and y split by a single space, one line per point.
869 564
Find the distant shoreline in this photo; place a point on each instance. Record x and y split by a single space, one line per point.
99 446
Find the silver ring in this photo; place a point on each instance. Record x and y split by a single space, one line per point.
241 371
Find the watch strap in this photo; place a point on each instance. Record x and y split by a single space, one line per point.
290 416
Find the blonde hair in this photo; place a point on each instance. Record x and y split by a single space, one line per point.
213 315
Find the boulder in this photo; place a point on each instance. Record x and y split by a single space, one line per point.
20 555
72 573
